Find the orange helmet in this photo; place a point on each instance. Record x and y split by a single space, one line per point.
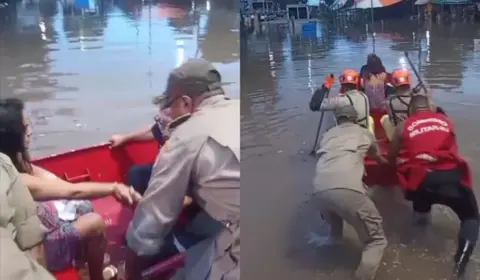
401 77
349 76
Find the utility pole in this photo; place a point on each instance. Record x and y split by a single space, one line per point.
373 25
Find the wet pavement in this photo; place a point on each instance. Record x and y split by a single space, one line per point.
88 69
280 70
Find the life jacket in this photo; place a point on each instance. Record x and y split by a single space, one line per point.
363 108
399 107
429 144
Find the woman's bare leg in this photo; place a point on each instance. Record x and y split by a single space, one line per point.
92 233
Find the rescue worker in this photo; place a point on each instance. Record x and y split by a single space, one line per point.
433 172
349 81
341 197
398 104
201 158
21 232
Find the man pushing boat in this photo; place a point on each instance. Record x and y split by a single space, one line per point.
433 172
341 197
398 103
201 158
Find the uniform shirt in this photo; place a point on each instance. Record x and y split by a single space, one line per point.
20 228
16 264
341 158
353 97
194 162
427 140
18 210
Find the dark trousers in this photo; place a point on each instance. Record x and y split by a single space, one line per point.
139 176
185 239
444 187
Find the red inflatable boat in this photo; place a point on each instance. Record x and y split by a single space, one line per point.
102 164
378 174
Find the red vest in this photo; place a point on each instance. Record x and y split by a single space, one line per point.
428 143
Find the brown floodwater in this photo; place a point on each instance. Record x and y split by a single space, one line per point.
88 69
280 69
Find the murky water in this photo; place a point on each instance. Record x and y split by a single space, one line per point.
88 69
280 70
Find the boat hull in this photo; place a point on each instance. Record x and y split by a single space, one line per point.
380 174
100 163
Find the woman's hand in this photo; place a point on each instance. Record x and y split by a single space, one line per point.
123 193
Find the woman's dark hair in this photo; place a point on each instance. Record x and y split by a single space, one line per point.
374 66
12 134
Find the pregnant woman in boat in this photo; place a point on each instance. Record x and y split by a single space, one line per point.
73 229
375 78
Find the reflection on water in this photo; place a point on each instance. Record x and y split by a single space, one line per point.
280 70
89 68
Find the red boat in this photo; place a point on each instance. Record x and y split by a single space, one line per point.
378 174
102 164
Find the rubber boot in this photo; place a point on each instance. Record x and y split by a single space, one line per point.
462 256
467 238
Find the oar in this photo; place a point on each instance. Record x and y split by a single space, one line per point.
325 88
421 83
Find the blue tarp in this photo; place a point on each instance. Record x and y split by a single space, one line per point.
82 4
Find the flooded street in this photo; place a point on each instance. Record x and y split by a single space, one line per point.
89 68
280 70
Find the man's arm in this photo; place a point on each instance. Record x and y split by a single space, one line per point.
374 151
317 98
162 203
319 94
396 143
142 134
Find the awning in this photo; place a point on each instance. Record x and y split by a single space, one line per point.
368 4
171 11
451 2
422 2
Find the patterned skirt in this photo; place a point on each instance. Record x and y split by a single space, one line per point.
62 239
